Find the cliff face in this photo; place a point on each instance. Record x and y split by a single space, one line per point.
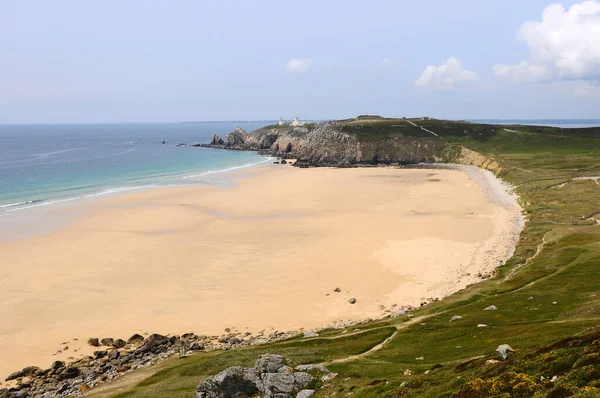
328 144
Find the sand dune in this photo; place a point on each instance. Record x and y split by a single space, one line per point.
265 254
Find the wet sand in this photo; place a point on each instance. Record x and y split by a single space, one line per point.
265 254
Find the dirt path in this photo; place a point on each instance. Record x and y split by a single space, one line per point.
423 128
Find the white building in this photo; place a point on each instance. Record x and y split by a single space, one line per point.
297 122
281 122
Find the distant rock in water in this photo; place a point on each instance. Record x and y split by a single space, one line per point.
216 140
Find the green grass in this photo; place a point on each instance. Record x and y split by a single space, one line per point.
181 376
557 261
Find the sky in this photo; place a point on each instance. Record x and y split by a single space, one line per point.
181 60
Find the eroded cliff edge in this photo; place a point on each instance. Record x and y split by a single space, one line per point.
344 143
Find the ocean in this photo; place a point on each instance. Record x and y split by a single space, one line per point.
55 163
46 164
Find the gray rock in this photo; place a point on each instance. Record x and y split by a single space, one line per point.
232 382
15 375
503 350
310 333
275 384
398 313
152 342
302 380
268 363
305 394
21 393
269 376
216 140
31 371
93 341
70 373
322 368
352 300
455 318
107 341
118 343
135 339
491 308
58 365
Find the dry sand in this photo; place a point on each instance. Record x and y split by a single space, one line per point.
265 254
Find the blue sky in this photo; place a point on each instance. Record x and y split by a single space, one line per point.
145 60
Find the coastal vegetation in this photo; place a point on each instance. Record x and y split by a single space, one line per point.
545 298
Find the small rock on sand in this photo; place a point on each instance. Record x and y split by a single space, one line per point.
337 290
93 341
352 300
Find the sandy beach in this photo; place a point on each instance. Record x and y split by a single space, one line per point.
267 253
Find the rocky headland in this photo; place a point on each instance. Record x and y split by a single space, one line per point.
334 143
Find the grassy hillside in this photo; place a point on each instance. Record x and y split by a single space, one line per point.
547 292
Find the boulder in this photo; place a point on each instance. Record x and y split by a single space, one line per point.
269 376
15 375
135 339
352 300
491 308
57 365
152 342
93 341
119 343
503 350
283 161
232 382
269 363
70 373
107 341
31 371
305 394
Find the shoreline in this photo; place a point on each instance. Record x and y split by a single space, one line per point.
22 219
507 237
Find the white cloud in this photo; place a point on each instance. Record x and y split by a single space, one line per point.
523 72
386 62
447 76
565 43
298 65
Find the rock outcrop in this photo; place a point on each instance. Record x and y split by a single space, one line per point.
270 376
335 144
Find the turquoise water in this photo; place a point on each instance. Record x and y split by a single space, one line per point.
44 164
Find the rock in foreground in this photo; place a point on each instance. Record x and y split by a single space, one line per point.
269 376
